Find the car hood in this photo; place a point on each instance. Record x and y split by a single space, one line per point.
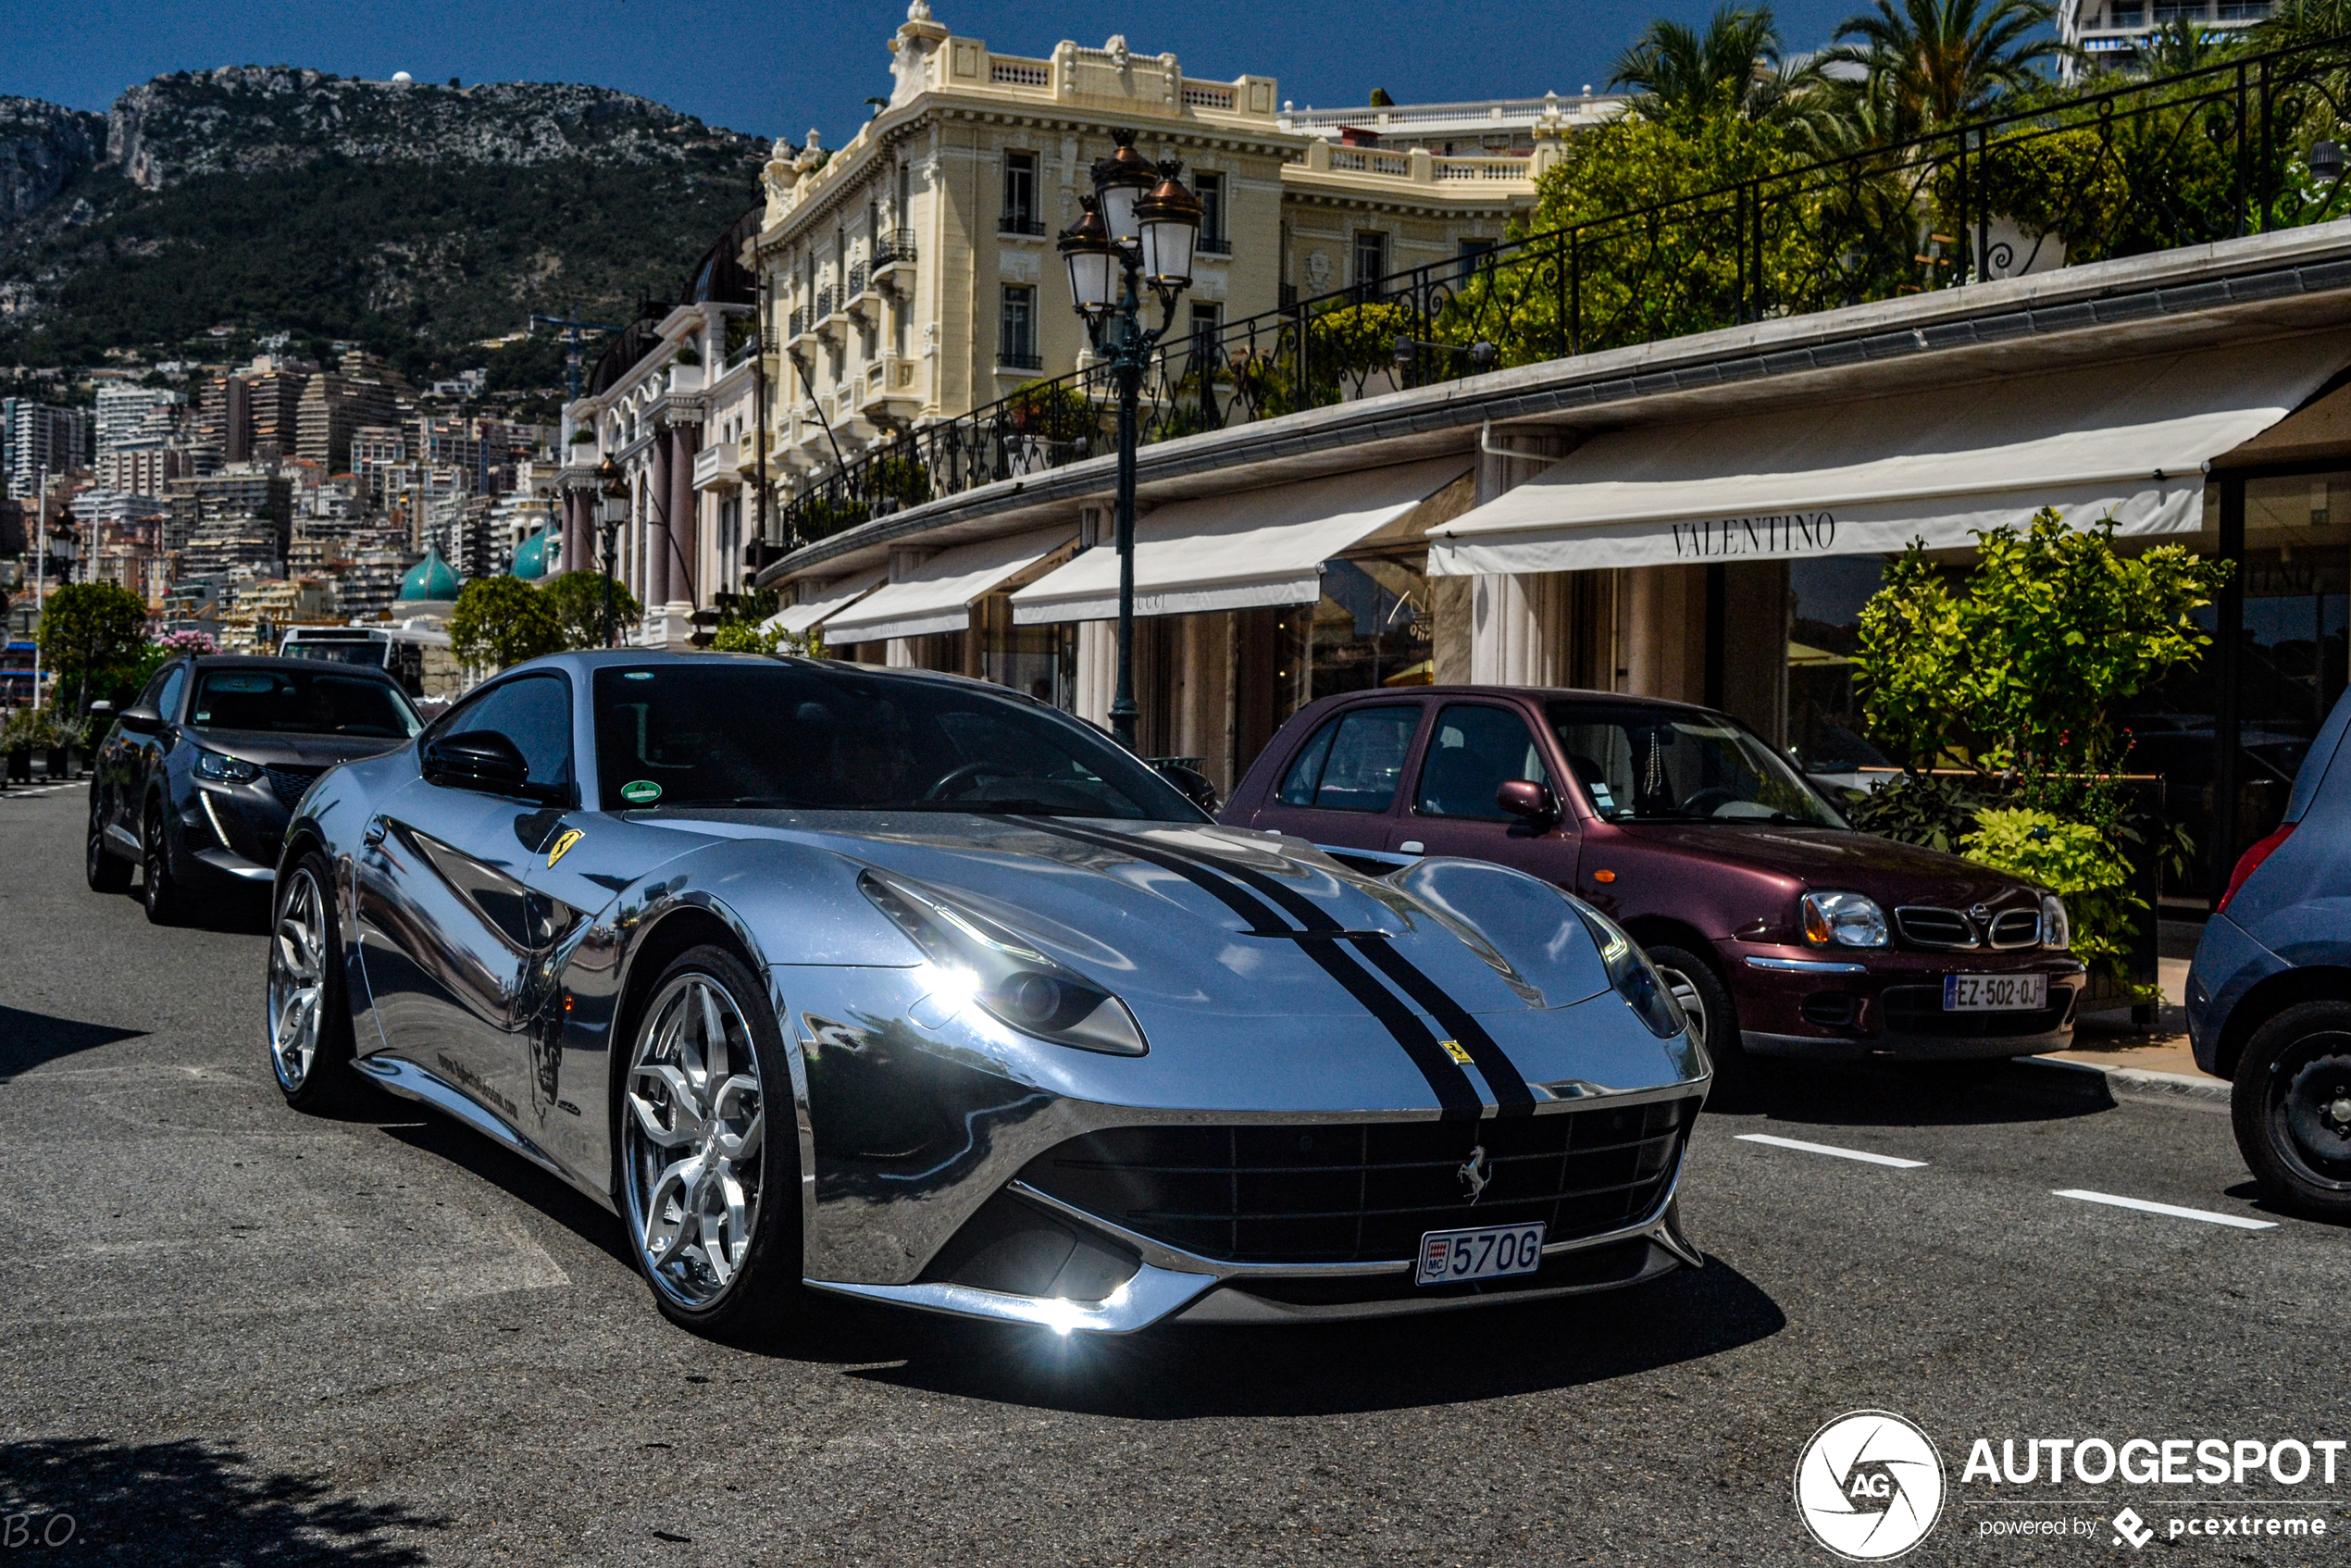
1890 872
1181 910
272 749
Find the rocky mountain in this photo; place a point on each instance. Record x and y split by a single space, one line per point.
415 217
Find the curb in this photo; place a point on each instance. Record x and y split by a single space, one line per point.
2141 1081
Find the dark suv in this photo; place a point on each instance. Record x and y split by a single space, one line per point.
1776 925
196 781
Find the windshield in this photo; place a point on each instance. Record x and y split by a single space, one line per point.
299 702
357 650
1652 765
831 737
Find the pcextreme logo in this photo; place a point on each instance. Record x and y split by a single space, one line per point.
1869 1485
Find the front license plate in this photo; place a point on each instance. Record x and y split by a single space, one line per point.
1995 993
1449 1257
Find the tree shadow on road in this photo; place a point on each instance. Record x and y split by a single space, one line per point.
1175 1373
28 1039
187 1501
1908 1094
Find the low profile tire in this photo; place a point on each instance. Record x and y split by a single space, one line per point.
308 1022
161 888
710 1182
2292 1109
1714 1018
107 871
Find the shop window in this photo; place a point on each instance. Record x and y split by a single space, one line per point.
1474 752
1038 661
1369 631
1824 729
1354 762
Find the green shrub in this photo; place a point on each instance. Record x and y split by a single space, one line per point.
2075 861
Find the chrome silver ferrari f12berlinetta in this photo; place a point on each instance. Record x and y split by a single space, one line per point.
910 988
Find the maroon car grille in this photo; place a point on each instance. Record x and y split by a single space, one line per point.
1924 926
1328 1192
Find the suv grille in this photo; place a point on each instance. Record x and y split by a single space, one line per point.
1364 1193
1924 926
290 782
2015 928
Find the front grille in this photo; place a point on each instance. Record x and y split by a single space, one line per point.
1918 1010
288 783
1364 1193
2014 928
1924 926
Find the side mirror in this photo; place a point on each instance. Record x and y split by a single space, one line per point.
140 719
1523 797
101 706
479 759
1190 783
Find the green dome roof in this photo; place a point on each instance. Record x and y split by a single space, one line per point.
431 578
531 557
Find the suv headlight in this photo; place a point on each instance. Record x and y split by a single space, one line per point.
221 768
1846 919
1017 985
2057 929
1629 971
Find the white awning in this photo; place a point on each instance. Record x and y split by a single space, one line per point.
1868 477
798 618
1239 552
936 595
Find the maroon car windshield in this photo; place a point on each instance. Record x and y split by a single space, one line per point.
1658 765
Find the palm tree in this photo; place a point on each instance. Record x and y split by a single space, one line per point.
2177 48
1943 61
1733 67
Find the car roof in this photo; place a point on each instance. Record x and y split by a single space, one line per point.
271 661
1521 693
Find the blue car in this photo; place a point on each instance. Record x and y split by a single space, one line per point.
2270 993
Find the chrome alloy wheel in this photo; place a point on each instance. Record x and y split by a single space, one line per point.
1684 990
694 1131
297 978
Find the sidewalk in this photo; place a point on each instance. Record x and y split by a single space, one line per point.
2157 1058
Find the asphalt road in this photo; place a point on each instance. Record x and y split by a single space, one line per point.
231 1334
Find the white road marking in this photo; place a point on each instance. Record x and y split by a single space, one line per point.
1829 1148
2144 1206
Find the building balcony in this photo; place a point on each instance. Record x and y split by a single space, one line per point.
865 301
893 248
718 465
1024 225
892 392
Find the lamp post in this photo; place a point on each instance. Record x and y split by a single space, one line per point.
1137 228
612 491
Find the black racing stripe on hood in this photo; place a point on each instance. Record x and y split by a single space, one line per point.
1458 1098
1511 1092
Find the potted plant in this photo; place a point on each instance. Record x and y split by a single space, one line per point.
30 730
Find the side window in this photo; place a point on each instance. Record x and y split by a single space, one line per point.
535 714
1356 762
175 682
1474 752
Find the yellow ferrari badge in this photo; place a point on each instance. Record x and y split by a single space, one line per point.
1453 1049
571 836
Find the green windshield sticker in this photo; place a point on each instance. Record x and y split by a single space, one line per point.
641 792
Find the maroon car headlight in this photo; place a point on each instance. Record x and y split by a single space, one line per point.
1843 920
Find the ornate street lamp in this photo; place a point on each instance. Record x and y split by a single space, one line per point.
1140 227
612 487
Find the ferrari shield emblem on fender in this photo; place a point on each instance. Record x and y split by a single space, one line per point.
571 836
1453 1049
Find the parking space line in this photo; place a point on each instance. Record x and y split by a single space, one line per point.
1831 1149
2173 1210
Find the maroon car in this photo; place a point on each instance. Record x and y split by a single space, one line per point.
1776 925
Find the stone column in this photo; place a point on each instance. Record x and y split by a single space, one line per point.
685 533
658 491
1097 669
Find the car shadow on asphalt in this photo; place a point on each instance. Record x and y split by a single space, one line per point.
517 1177
187 1501
1908 1094
1173 1373
28 1039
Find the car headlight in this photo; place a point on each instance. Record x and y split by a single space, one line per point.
1015 984
1846 919
1629 971
2057 929
221 768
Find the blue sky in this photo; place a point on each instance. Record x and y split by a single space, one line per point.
776 69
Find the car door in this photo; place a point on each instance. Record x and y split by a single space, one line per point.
449 927
1473 749
143 757
1339 789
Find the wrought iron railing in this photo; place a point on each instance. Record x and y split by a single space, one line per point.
893 245
2131 169
856 284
